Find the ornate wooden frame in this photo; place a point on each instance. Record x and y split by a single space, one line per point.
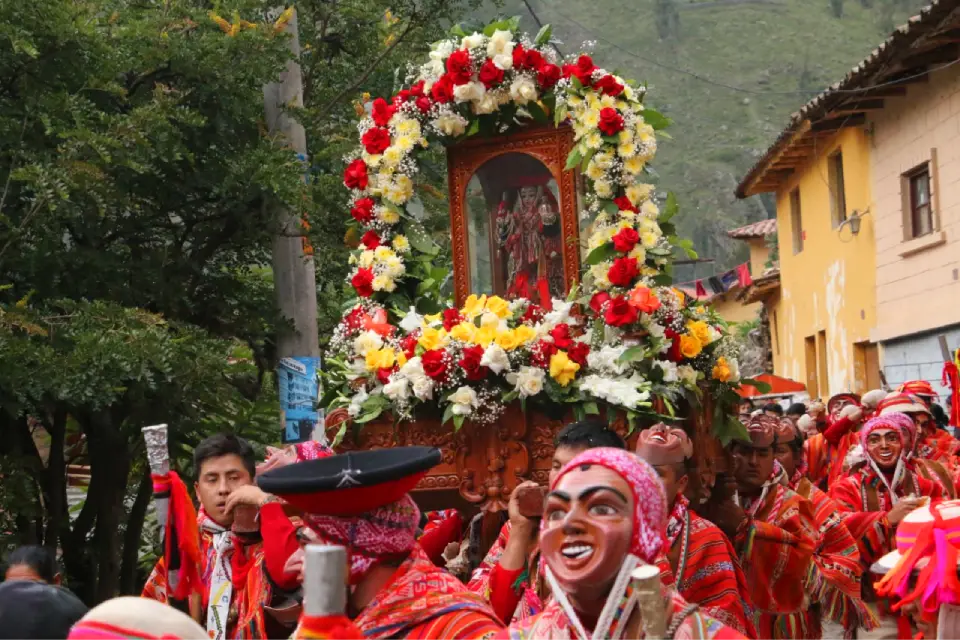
550 145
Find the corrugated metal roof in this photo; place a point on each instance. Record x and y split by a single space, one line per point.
759 229
876 69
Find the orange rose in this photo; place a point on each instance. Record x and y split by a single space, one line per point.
643 300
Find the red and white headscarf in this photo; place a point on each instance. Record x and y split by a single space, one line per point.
647 540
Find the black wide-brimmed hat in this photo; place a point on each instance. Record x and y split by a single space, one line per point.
351 483
37 610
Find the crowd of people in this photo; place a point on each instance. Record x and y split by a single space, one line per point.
829 521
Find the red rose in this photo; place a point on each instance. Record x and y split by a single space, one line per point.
623 204
354 319
519 57
619 312
609 86
402 96
435 363
611 122
417 90
355 176
561 336
371 240
459 67
674 354
383 375
583 70
442 89
362 210
451 318
644 300
625 240
532 59
362 281
490 74
382 112
623 271
409 344
533 314
470 363
578 352
548 75
598 300
423 103
376 140
540 354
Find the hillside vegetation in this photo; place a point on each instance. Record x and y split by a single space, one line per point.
777 54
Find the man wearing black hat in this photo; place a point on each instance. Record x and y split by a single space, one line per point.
360 501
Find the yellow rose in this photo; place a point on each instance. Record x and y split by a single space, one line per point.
401 358
525 334
690 346
432 318
681 296
700 329
431 338
485 335
562 368
380 358
473 306
721 370
464 332
509 340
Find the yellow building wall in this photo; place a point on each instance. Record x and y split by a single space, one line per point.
828 290
759 254
732 310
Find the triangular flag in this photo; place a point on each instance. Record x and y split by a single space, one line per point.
743 275
701 292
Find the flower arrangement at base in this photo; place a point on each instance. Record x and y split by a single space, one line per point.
620 340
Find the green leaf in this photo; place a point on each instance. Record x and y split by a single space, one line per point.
425 286
730 429
600 254
420 241
663 280
457 30
632 354
573 159
610 207
447 414
457 422
579 414
576 84
670 208
591 408
537 113
586 159
655 119
759 385
543 36
474 128
559 115
510 396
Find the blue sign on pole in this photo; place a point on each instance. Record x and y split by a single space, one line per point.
299 383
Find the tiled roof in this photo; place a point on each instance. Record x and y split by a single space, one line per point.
924 43
759 229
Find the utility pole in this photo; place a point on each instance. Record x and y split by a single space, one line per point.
294 273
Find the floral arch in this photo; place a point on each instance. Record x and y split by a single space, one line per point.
623 340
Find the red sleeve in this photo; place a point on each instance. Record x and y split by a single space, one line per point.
279 543
437 538
504 596
836 429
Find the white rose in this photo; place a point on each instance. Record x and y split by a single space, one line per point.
504 61
450 124
487 104
669 370
606 359
523 90
687 375
413 369
397 389
469 92
560 313
734 369
412 321
528 381
442 50
472 41
495 359
423 388
365 342
357 401
713 333
501 42
464 401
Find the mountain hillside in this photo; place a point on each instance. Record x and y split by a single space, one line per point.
776 54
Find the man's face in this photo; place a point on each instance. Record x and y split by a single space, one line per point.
217 479
753 466
674 480
588 523
883 445
784 455
561 456
839 405
923 421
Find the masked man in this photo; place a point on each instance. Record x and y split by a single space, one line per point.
825 452
233 585
605 515
775 533
876 495
698 557
509 576
935 450
833 583
360 501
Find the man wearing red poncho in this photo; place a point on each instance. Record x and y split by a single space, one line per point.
825 452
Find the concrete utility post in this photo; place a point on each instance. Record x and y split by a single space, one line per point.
294 273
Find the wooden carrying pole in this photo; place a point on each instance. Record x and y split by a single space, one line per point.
646 584
324 580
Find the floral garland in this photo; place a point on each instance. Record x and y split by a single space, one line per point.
633 341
